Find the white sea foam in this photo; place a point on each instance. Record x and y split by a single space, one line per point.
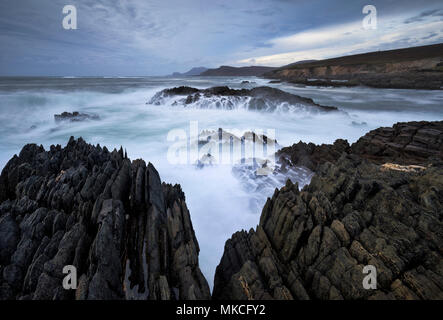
219 201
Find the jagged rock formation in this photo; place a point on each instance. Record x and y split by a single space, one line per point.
128 235
258 98
310 155
314 243
404 143
131 237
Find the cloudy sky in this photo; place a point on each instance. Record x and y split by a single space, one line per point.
157 37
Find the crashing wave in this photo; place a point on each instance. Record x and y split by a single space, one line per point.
224 147
252 157
258 99
261 177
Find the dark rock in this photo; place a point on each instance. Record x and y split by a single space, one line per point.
75 116
129 235
311 155
314 243
404 143
9 237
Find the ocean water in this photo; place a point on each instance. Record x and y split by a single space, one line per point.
219 200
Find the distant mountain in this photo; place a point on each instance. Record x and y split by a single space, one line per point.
193 72
237 71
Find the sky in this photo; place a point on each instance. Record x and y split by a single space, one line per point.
158 37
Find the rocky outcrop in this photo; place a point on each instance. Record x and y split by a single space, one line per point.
75 116
409 68
404 143
314 243
378 202
258 98
128 235
310 155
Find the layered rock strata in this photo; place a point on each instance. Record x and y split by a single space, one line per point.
404 143
315 243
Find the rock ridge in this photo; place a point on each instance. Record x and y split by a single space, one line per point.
314 243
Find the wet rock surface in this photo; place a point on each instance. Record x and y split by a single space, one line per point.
128 235
260 98
310 155
75 116
404 143
314 243
377 202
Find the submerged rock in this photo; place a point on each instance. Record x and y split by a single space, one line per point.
75 116
128 235
314 243
259 98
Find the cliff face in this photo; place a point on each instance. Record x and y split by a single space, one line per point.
128 235
359 69
412 68
314 243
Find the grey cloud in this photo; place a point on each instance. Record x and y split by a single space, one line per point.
431 35
424 14
155 37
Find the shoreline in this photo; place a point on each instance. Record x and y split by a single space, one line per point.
27 199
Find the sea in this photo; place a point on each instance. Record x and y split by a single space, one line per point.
220 202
